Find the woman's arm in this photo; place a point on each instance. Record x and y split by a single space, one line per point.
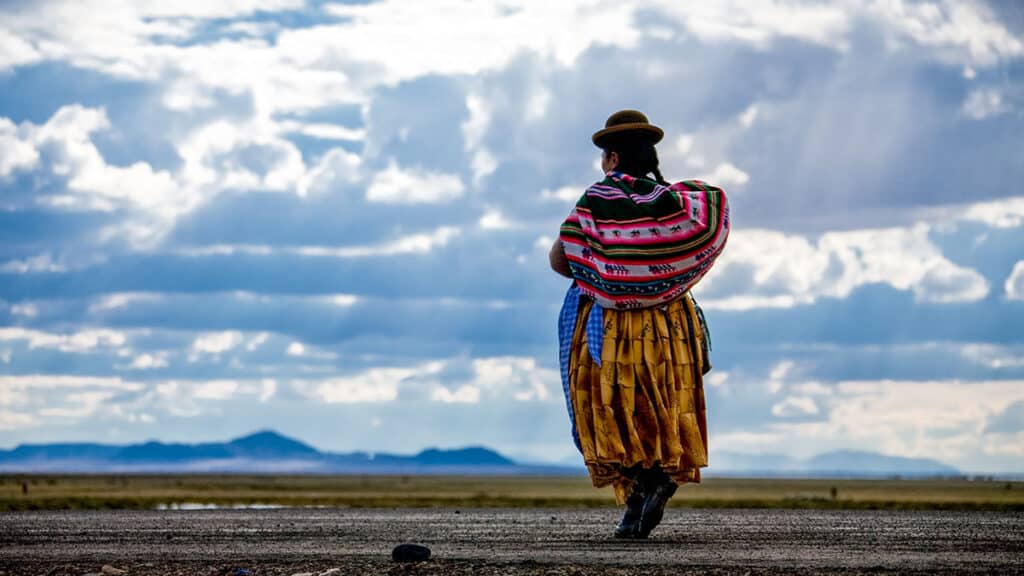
559 263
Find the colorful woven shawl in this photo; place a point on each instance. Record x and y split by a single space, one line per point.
633 243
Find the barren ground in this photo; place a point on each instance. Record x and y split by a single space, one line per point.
511 541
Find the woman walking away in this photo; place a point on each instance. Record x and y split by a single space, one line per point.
633 345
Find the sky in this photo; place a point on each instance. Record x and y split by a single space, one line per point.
331 219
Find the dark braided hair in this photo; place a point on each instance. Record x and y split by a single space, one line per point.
637 157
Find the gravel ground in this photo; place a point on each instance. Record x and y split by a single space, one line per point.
513 541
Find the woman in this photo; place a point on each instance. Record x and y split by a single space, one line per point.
632 342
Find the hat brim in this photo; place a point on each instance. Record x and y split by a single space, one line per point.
601 137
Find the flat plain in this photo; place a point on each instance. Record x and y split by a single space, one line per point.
58 492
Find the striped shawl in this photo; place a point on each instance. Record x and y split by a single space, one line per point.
633 243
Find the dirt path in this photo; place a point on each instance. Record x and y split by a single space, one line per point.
520 541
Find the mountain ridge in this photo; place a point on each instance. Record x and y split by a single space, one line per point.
264 450
268 451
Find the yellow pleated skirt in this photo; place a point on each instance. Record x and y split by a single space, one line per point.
644 405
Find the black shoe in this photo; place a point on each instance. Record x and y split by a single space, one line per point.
654 507
627 527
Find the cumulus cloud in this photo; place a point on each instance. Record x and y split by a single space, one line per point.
371 386
519 377
415 186
94 184
151 197
774 269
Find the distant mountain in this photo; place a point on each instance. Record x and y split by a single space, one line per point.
270 452
463 457
264 451
851 461
269 444
842 463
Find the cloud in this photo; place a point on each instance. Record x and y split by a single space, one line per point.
951 31
1004 213
463 394
951 420
371 386
215 390
521 378
398 185
217 342
390 34
1015 282
957 32
421 243
795 406
993 356
74 342
94 184
984 103
34 264
919 418
116 300
35 382
726 175
19 152
760 22
773 269
248 157
64 146
148 362
473 131
10 420
493 219
746 119
566 194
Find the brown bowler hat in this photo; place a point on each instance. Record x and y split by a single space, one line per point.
627 121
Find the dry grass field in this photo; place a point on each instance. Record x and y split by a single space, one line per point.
53 492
